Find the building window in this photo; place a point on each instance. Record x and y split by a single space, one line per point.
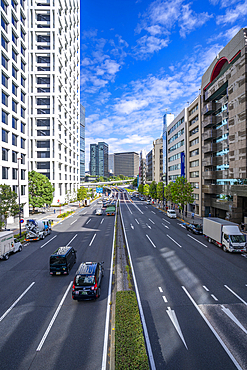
22 18
14 55
194 142
23 127
14 156
14 139
14 123
4 117
43 122
195 196
43 38
4 173
194 163
22 81
14 173
194 152
14 72
23 143
23 34
23 158
4 62
4 24
4 80
22 66
23 174
14 89
4 43
195 185
194 131
43 132
23 50
23 187
43 17
43 101
43 154
43 144
4 99
43 165
194 174
14 106
23 97
4 6
14 5
43 111
4 154
23 111
43 80
14 38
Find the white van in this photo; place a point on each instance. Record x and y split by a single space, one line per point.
171 213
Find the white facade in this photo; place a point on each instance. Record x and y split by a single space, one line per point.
54 93
157 158
13 136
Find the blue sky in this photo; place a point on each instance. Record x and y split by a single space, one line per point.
143 58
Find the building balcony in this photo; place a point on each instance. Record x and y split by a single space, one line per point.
210 107
209 161
212 189
210 147
208 175
239 190
225 205
222 145
209 135
209 121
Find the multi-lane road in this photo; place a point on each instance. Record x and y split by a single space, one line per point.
193 297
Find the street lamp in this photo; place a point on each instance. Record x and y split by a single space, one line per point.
19 194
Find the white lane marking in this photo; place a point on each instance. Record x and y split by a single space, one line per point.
71 240
213 330
144 325
160 289
18 299
138 208
173 317
153 212
165 225
165 220
205 288
48 241
132 227
92 240
233 318
85 213
151 221
128 207
137 221
182 226
148 226
174 241
53 319
102 221
107 317
197 241
213 296
165 300
88 221
151 241
235 294
73 222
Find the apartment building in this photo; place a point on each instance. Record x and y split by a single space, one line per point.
224 132
82 143
14 72
142 167
167 120
126 164
149 162
99 159
176 146
54 86
193 153
157 160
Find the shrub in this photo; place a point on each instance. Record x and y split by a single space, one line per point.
130 350
63 215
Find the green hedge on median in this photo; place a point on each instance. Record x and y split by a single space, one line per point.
130 350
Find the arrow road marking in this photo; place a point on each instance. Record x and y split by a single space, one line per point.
173 317
233 318
132 227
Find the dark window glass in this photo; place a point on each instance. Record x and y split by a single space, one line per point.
14 139
43 17
4 154
43 101
43 80
4 99
43 165
14 156
4 80
4 117
4 62
43 122
4 173
43 144
4 24
43 38
14 123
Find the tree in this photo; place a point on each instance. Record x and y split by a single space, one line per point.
160 191
146 190
40 190
140 188
8 204
81 193
181 192
135 182
153 190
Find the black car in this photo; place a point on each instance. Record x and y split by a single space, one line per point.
194 228
87 281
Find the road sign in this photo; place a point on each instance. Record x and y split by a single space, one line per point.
99 190
21 220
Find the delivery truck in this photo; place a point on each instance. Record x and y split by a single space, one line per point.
224 234
37 229
86 202
8 244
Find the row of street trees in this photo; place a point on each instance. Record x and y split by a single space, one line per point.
178 192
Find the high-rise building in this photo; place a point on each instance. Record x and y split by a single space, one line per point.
14 72
142 167
82 143
111 164
157 157
167 119
99 159
54 86
126 164
149 159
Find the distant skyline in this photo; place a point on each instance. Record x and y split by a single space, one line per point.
141 59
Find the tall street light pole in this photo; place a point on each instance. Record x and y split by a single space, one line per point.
19 195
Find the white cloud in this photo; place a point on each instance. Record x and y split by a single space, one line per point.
148 45
233 14
129 106
189 20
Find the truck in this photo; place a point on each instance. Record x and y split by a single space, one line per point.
110 210
37 229
224 234
86 202
8 244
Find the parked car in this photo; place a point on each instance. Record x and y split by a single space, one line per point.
87 281
194 228
171 213
99 212
148 201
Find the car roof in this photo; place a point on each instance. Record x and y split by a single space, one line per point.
62 251
87 268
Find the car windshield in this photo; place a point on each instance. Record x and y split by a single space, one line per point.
237 238
172 212
84 280
57 261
